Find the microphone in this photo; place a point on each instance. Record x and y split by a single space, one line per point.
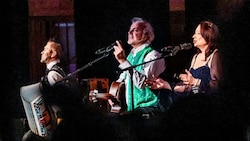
106 49
175 49
176 78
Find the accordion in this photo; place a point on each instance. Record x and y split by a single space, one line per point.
41 119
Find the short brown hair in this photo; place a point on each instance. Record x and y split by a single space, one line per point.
56 47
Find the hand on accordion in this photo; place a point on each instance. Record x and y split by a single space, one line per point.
45 119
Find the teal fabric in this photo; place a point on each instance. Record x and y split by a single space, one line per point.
143 97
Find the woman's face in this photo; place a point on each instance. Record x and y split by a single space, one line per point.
198 40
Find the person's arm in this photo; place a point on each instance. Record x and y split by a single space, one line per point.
54 77
205 82
180 87
184 84
154 68
157 83
215 66
216 71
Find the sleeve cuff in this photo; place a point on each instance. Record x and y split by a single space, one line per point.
124 65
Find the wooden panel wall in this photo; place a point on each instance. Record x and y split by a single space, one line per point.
51 7
42 18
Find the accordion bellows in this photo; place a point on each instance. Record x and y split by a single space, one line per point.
35 108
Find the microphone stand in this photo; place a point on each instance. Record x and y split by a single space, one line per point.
132 87
85 66
130 69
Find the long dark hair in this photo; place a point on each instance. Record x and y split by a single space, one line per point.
210 32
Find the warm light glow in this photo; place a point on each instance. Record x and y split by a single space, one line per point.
176 5
50 8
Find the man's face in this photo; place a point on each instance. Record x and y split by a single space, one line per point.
46 53
135 34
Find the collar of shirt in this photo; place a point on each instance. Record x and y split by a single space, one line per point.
51 64
135 50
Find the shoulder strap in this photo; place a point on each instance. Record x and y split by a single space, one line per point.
193 61
44 79
58 69
211 58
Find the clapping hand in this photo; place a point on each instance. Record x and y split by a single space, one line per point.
157 83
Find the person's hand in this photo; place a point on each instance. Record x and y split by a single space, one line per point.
187 78
157 83
44 120
110 102
119 52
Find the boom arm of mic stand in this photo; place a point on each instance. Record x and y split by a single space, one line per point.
164 56
85 66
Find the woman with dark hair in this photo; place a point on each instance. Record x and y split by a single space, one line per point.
204 75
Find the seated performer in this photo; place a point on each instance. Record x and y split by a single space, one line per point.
51 114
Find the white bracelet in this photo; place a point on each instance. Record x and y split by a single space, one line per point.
197 83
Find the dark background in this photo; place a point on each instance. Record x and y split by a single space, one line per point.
99 23
110 21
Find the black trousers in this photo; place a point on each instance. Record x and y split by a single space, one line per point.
30 136
139 125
